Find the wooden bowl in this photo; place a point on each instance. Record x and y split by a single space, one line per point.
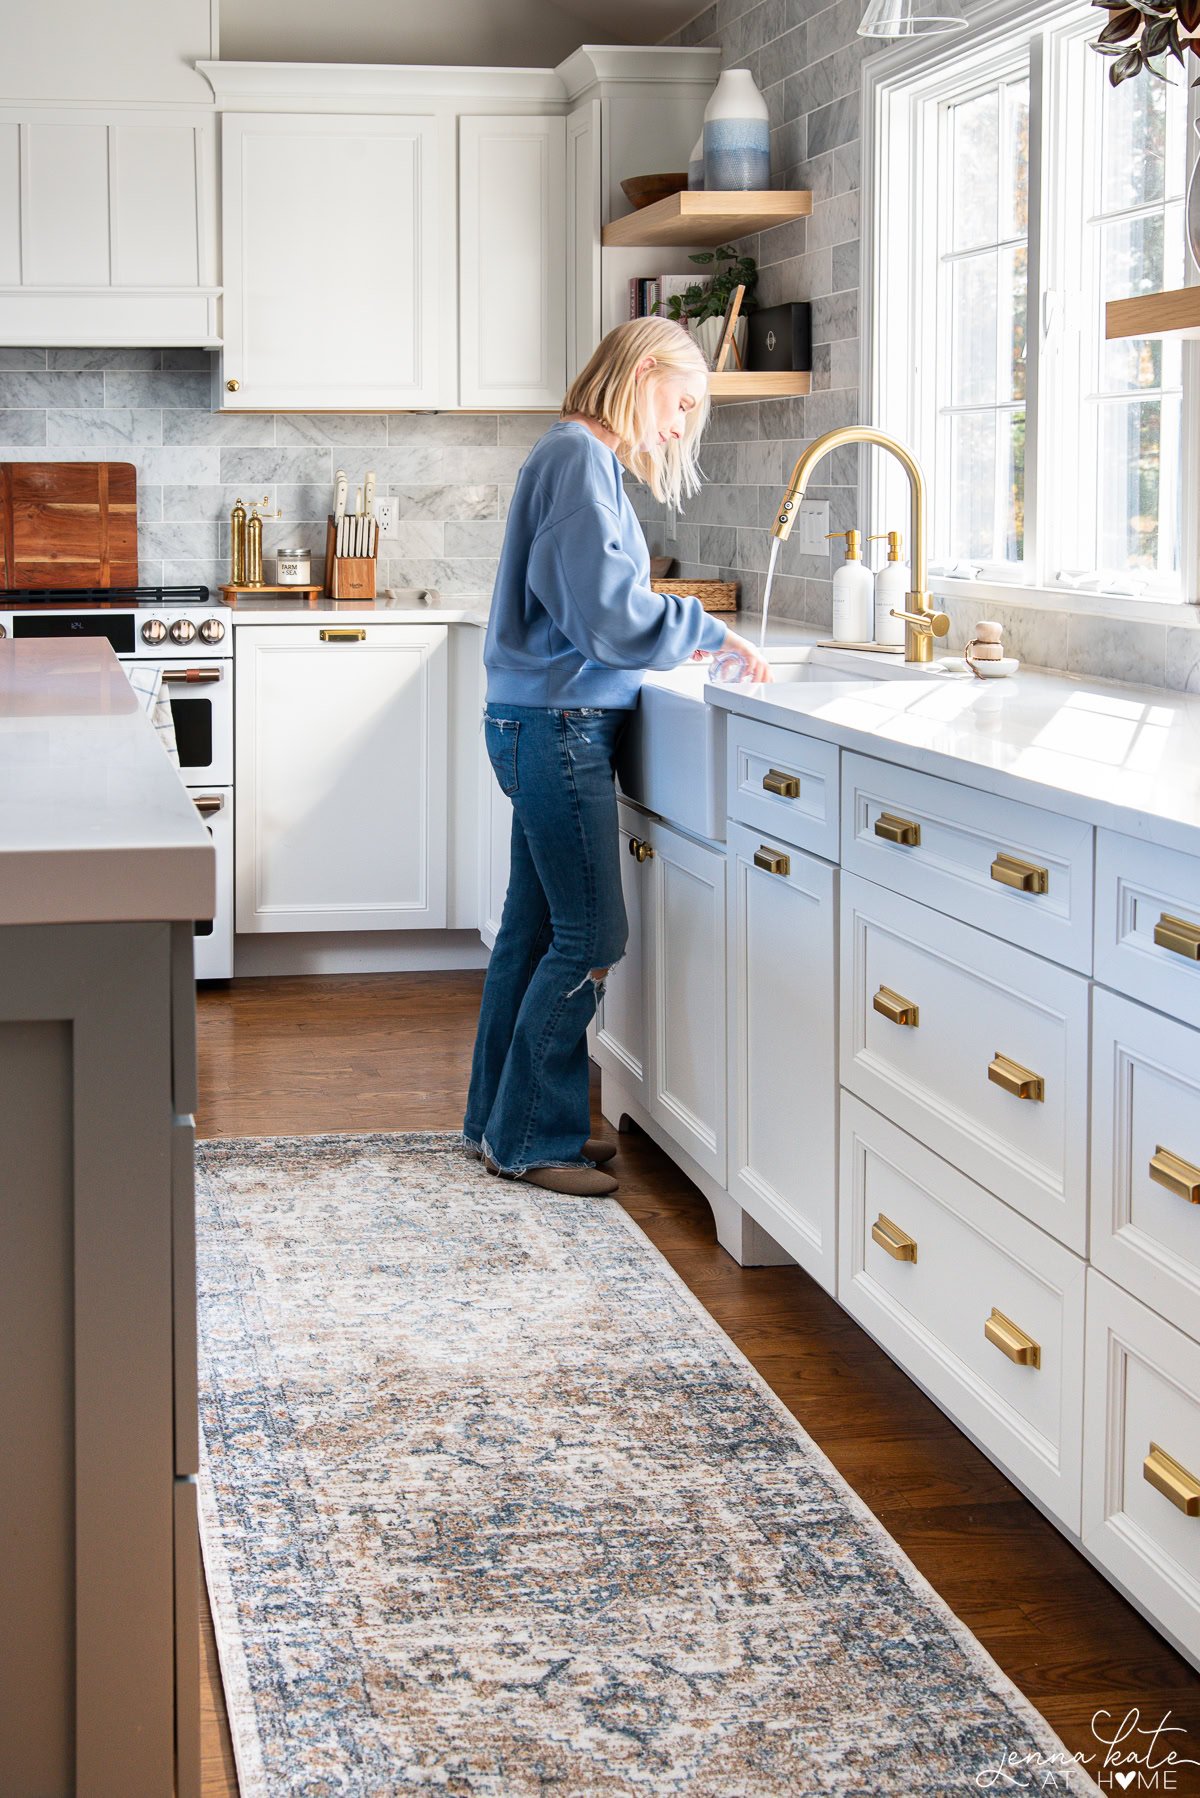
643 190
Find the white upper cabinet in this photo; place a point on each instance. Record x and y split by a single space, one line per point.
338 287
512 260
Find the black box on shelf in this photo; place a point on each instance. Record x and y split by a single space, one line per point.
781 337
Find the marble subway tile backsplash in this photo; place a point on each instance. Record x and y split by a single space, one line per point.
451 473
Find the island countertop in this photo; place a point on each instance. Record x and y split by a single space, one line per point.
95 824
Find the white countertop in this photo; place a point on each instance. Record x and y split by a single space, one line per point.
284 610
95 824
1123 756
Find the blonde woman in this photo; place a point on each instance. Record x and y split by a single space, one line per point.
573 628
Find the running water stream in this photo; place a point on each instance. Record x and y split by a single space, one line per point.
766 599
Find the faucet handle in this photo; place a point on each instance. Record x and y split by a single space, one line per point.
935 624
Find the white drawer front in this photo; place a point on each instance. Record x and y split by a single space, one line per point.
1146 1156
1143 1415
959 844
984 1012
1141 889
762 757
973 1256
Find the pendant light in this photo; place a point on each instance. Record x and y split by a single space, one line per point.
911 18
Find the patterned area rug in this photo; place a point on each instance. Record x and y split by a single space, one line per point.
491 1505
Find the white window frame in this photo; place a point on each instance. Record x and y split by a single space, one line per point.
901 239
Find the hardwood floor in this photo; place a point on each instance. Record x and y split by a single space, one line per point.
392 1052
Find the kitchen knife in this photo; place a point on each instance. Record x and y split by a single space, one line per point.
369 494
340 490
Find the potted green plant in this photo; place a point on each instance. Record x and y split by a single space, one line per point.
701 307
1141 33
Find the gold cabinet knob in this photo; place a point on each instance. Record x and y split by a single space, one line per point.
784 786
640 851
1011 1340
890 1237
1172 1479
1179 935
1177 1175
1023 877
772 861
896 1008
898 830
232 386
1012 1078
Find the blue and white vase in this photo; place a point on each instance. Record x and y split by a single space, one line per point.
737 136
696 165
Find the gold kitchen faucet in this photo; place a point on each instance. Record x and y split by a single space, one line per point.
922 621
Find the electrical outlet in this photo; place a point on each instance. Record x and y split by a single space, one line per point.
811 526
386 511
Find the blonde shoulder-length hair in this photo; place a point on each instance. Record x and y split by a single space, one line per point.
610 390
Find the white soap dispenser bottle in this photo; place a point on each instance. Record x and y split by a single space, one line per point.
892 586
853 591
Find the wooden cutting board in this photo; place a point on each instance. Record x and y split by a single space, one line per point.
68 524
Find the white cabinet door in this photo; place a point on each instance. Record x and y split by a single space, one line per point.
686 938
494 861
512 257
783 1047
339 261
583 234
619 1035
341 770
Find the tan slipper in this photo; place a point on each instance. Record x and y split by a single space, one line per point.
575 1182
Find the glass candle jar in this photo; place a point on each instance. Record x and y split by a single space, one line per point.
293 568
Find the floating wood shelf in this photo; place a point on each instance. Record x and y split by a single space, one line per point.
756 384
704 219
1174 314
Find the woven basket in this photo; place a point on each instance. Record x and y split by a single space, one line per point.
714 596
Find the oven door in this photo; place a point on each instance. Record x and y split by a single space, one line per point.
201 695
214 937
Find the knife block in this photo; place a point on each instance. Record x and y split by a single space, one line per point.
347 577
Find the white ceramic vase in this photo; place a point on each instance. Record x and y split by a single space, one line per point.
696 164
737 136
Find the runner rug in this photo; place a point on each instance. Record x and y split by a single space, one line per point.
491 1505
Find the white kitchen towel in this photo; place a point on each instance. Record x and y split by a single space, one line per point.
147 683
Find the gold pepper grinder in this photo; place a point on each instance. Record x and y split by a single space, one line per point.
254 543
237 545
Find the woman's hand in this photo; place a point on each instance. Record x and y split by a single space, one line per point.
757 666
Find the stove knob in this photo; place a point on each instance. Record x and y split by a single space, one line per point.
212 630
153 631
3 630
182 631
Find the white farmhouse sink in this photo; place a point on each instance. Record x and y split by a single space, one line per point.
672 759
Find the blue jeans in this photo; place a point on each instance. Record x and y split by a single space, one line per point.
563 918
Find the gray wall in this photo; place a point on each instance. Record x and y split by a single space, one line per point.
452 472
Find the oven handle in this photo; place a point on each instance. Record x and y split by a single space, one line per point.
207 803
193 676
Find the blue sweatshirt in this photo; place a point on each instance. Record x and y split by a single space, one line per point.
574 621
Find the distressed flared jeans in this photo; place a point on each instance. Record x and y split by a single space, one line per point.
563 919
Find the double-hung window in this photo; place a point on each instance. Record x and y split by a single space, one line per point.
1013 192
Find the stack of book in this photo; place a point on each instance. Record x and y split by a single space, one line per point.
649 294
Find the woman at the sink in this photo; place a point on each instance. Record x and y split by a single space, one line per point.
574 626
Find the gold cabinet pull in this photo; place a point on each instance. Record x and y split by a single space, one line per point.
207 803
1177 1175
1172 1479
1179 935
1011 1340
640 851
232 385
772 861
785 786
1025 877
898 1243
1012 1078
343 634
898 830
896 1008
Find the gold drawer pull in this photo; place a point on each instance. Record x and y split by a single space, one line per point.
1011 1340
343 635
1177 1175
208 803
640 851
898 830
771 861
1012 1078
1179 935
1025 877
785 786
1172 1479
898 1243
896 1008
